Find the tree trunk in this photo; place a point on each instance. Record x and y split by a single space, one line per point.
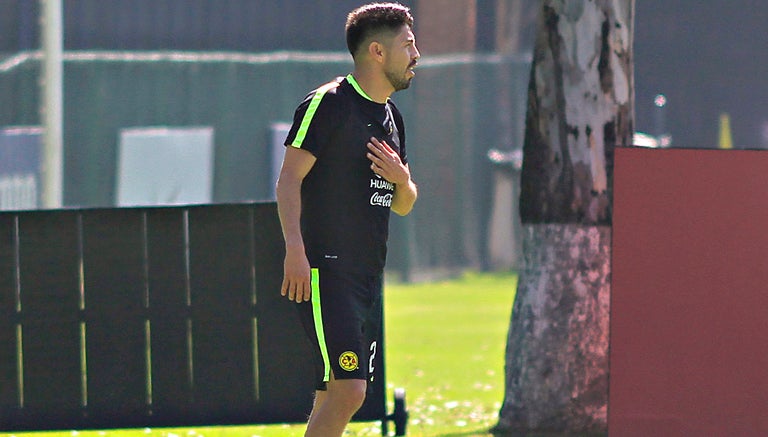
580 106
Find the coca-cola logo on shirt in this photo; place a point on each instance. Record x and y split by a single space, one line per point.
378 199
381 199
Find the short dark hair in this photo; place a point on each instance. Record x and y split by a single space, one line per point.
373 18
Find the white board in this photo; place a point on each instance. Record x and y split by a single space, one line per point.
165 166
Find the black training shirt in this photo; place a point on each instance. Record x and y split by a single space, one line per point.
345 205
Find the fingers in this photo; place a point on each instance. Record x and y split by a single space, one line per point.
375 153
382 156
380 146
386 163
296 290
378 166
296 277
305 296
376 162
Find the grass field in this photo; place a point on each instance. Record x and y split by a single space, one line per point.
445 346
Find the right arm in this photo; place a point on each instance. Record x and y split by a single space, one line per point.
296 270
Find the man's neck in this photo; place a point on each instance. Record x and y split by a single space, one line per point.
375 87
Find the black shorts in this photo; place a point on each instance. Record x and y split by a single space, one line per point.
343 323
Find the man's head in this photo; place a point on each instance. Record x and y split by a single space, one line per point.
380 34
373 21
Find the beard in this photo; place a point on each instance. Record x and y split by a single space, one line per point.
397 80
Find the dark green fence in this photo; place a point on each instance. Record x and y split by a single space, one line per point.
135 317
457 109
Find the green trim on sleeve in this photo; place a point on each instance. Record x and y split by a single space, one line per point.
317 315
301 134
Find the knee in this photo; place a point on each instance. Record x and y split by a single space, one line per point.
357 395
348 394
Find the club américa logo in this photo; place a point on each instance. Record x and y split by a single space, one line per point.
348 361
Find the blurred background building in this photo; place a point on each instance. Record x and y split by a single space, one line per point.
707 58
217 80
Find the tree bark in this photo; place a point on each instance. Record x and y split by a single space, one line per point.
580 106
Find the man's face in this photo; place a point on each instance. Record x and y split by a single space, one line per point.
402 56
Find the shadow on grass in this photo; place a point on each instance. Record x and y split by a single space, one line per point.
495 433
491 433
475 433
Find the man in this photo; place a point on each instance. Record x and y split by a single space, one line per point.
345 167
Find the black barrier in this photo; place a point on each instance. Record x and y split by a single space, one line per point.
137 317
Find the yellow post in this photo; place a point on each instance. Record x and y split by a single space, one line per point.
726 142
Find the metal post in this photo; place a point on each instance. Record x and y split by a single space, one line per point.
51 108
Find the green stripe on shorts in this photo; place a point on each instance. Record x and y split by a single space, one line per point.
317 315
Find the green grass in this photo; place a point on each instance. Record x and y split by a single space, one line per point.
445 345
446 348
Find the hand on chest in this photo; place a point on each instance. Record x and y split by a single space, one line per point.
347 142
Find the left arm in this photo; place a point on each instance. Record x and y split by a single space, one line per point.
405 196
386 163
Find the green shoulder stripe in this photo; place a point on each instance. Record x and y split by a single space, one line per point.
311 109
351 79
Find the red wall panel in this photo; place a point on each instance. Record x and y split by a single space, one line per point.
689 307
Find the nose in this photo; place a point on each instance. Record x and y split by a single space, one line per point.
416 54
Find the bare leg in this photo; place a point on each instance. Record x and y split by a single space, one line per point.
317 402
334 408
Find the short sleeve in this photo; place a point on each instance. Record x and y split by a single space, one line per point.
314 119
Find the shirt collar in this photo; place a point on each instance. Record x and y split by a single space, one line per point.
351 79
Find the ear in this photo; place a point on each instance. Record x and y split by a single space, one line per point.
376 51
